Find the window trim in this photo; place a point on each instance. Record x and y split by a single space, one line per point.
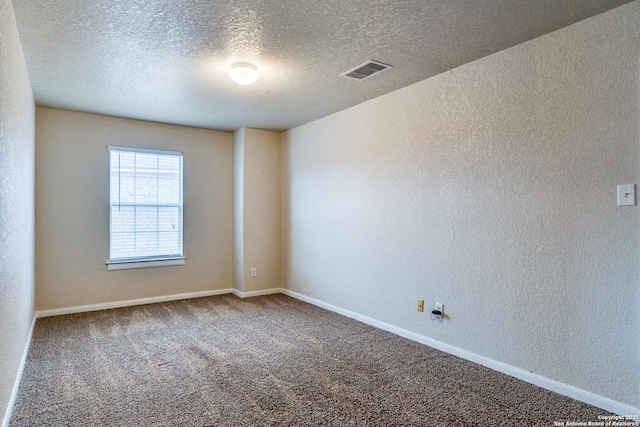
144 150
149 261
144 263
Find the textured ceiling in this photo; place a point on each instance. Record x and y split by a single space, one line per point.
167 60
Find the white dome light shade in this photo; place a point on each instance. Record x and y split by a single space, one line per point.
243 73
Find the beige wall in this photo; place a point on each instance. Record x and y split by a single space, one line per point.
257 209
238 210
72 210
491 189
262 209
16 205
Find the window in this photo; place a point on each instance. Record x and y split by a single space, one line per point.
145 201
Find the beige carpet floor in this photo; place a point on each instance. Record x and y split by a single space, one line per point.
271 360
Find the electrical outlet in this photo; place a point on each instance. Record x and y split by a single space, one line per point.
254 272
440 308
420 305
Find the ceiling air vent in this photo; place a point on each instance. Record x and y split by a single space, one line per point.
366 70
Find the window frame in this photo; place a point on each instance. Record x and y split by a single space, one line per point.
152 260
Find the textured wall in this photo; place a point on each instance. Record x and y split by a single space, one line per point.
238 209
72 210
257 209
16 204
491 189
262 209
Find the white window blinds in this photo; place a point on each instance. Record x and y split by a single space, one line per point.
145 204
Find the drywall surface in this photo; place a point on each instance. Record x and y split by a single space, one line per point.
16 204
261 209
256 209
72 210
238 209
491 189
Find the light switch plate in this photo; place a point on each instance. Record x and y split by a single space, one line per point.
626 195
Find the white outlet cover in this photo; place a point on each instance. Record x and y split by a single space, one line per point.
626 195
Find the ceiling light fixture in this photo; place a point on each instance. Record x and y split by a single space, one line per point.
243 73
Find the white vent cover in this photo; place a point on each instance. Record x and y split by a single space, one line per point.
366 70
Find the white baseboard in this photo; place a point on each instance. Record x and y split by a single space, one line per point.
257 293
128 303
16 384
557 387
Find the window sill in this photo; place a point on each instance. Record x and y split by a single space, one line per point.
150 263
